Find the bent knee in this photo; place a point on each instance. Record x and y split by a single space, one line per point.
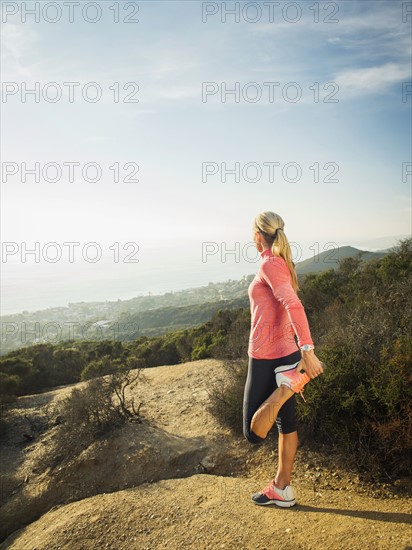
252 437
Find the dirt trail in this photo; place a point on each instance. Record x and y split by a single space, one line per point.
179 480
207 511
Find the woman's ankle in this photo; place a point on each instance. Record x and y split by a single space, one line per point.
281 483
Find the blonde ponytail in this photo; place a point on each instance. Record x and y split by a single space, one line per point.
271 226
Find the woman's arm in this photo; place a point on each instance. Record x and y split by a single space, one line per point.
273 272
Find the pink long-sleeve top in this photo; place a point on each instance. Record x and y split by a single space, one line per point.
277 313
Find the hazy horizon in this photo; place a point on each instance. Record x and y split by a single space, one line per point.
39 286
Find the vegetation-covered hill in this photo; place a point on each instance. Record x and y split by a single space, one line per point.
330 258
151 315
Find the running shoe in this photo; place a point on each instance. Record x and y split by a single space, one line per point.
285 498
293 377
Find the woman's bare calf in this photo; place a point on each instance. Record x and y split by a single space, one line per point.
265 416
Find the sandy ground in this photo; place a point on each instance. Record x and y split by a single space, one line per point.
179 480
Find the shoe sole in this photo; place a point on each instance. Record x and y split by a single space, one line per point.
285 368
293 366
280 381
280 503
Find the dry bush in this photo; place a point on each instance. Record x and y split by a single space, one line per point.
226 396
93 411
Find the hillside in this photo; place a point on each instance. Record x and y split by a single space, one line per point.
330 259
155 315
179 479
162 320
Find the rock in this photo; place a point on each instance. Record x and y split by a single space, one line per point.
58 420
208 462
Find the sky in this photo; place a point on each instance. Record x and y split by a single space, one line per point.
318 130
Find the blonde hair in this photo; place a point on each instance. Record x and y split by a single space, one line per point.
267 223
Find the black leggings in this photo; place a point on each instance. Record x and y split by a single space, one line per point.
260 383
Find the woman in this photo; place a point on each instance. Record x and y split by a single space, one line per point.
279 337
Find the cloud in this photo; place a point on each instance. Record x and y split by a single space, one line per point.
20 44
352 16
366 32
372 79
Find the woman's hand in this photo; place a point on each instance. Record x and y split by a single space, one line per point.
311 364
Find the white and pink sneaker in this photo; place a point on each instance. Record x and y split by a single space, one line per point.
285 498
292 376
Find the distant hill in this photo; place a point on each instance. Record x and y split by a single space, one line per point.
330 259
165 319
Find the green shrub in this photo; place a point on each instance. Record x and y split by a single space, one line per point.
67 364
10 384
362 404
99 367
